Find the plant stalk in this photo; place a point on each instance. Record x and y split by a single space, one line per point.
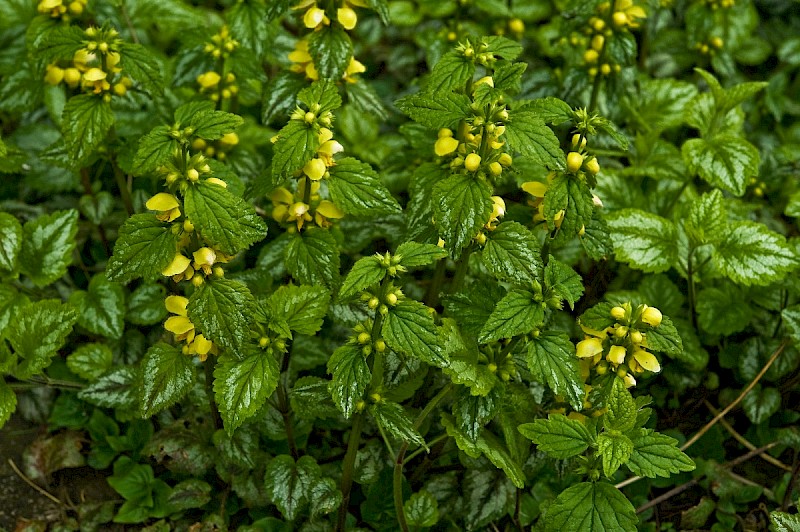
349 469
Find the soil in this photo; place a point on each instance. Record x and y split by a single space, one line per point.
20 503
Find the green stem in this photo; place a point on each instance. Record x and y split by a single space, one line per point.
208 366
349 468
397 477
690 280
124 191
462 265
432 296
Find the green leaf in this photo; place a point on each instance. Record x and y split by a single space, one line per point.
450 72
598 317
665 338
512 253
86 119
323 93
302 307
791 320
558 436
621 408
708 219
392 418
366 272
552 360
761 403
90 361
517 313
615 449
350 377
280 96
725 161
146 304
462 205
222 310
47 246
331 50
643 240
598 507
414 255
572 196
784 522
165 376
312 257
720 310
101 308
212 125
502 47
656 455
8 402
115 389
527 134
421 509
242 386
96 208
141 64
59 43
473 412
144 248
357 190
37 332
436 111
10 242
563 281
296 145
289 484
191 493
311 399
549 110
222 219
409 329
751 254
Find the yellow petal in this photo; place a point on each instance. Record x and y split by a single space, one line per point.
176 305
204 257
647 360
329 210
313 17
347 17
535 188
445 146
281 195
201 345
315 169
589 347
94 74
652 316
325 135
616 355
299 56
355 67
162 202
208 79
330 148
217 181
630 382
178 325
178 265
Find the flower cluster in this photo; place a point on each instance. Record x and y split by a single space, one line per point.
95 68
57 8
195 259
622 348
303 63
219 84
218 149
221 45
315 17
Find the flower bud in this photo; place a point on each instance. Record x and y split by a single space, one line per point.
637 337
590 56
380 346
577 138
593 166
618 313
574 161
616 355
495 168
363 338
589 347
505 159
347 17
391 299
472 162
192 175
652 316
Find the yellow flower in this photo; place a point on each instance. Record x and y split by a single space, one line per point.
95 79
201 347
652 316
82 58
176 305
647 360
347 17
315 169
630 382
498 211
472 162
229 139
302 61
616 355
537 189
208 80
204 259
626 13
445 146
180 268
589 347
167 205
54 75
354 67
326 210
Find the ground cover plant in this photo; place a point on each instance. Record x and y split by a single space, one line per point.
274 265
